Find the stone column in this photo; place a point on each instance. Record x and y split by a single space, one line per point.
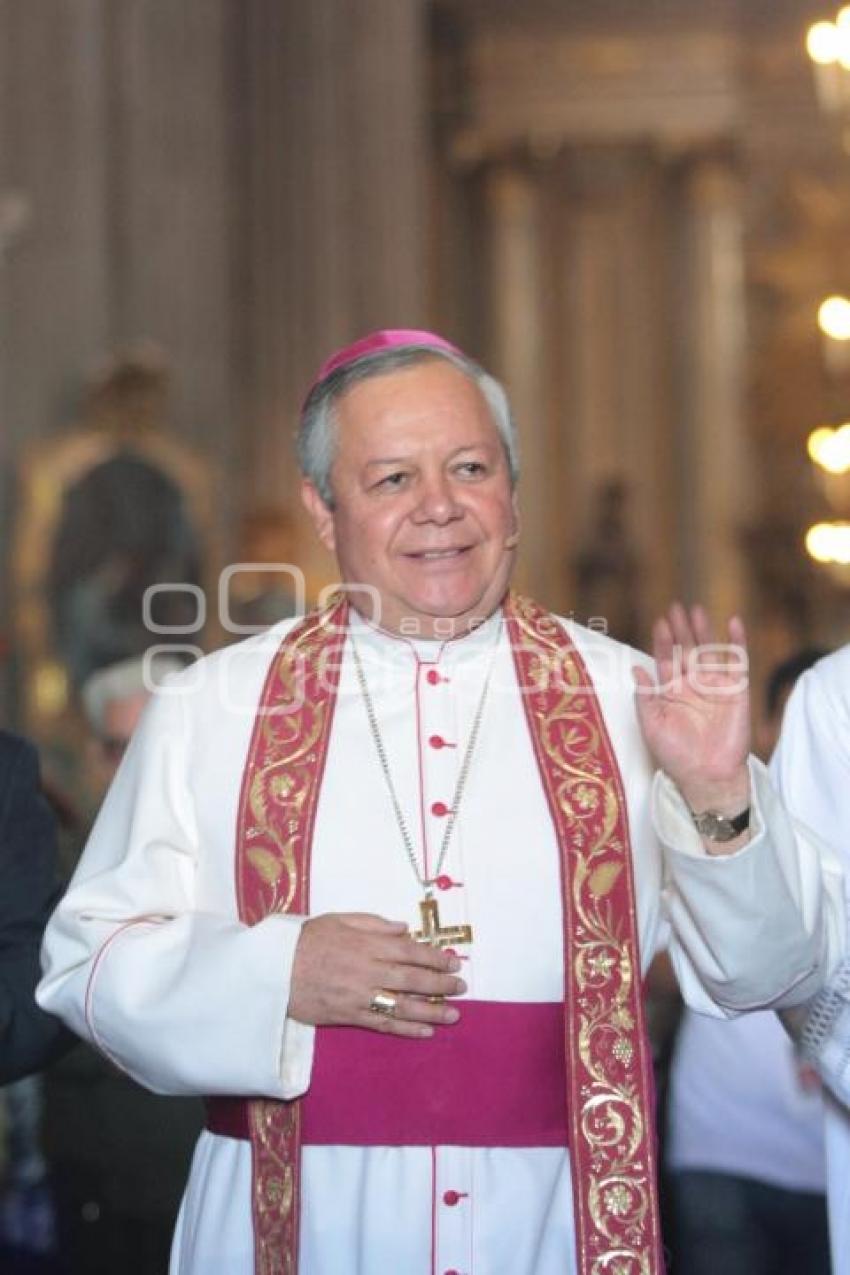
167 143
333 170
517 354
115 127
716 482
613 387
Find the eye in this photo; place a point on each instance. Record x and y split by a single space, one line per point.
391 482
471 469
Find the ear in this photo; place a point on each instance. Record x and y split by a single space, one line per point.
515 508
322 517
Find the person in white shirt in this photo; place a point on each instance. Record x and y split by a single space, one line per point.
812 768
745 1158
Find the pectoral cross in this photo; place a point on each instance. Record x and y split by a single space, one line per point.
433 933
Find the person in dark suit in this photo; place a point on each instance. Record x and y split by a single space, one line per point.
29 1038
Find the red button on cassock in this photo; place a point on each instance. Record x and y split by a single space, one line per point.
433 677
451 1198
437 741
439 808
442 882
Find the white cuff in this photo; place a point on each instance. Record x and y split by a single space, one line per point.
296 1058
825 1039
675 828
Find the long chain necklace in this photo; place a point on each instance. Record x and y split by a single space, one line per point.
431 931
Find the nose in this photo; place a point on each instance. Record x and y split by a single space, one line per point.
437 500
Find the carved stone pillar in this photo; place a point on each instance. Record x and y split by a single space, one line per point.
334 203
125 164
613 390
167 146
517 349
716 479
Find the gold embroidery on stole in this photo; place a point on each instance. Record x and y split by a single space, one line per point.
277 807
609 1067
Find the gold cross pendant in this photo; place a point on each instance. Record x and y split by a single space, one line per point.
431 931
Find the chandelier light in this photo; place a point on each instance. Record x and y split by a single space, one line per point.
829 543
834 318
828 46
830 448
834 324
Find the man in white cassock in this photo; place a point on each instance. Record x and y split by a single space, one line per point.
812 769
381 883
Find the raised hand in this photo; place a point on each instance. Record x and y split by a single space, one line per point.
343 959
695 717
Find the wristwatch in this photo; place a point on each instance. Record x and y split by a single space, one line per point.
718 827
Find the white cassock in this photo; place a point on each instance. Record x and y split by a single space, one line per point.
146 956
811 766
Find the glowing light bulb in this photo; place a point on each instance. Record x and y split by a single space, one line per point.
834 318
818 442
817 542
830 448
838 461
823 43
829 542
844 44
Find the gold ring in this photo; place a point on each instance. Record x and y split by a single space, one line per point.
383 1003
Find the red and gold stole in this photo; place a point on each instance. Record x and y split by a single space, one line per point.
609 1073
610 1088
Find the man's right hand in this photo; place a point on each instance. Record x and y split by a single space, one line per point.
342 959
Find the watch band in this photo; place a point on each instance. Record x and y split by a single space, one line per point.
717 827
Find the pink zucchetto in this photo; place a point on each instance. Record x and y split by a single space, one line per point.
384 339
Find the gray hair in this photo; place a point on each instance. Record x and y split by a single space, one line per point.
316 442
123 680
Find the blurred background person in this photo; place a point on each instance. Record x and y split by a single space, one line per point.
29 1038
118 1154
745 1162
811 768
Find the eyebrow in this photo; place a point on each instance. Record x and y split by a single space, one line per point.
388 460
405 460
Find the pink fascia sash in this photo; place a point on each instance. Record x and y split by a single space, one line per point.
494 1079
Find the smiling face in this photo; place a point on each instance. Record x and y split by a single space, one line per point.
423 509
